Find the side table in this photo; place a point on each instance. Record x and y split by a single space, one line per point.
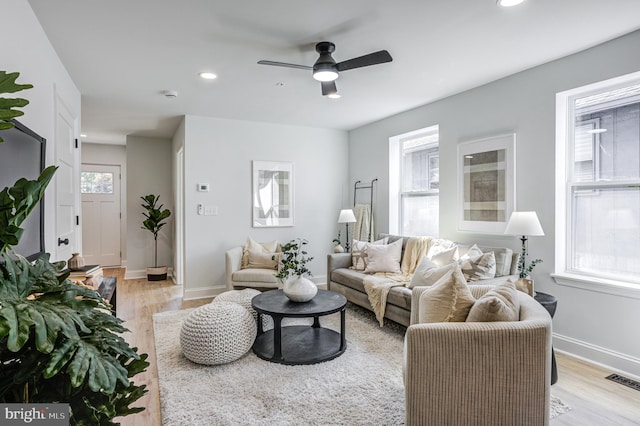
550 303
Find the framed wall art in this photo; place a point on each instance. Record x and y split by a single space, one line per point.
486 183
272 194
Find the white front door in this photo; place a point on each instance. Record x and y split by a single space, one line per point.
100 188
66 183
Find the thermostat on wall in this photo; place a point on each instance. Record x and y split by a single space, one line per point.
203 187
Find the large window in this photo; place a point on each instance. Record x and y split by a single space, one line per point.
600 181
418 175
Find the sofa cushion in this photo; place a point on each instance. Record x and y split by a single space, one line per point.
448 300
384 258
428 272
255 275
359 253
498 304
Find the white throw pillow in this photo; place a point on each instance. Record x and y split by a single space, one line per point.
444 257
473 251
384 258
359 253
427 272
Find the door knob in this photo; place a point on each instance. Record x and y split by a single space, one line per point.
61 241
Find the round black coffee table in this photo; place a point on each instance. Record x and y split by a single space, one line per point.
299 344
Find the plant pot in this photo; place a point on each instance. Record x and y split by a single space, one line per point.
157 273
338 249
525 285
299 289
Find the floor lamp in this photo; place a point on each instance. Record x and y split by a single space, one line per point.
346 216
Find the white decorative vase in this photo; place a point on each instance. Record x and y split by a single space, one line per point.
338 249
299 289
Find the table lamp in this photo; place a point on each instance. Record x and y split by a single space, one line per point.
524 224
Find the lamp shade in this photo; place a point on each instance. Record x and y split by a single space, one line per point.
524 223
346 216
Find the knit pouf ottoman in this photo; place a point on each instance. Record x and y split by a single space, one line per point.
217 333
243 298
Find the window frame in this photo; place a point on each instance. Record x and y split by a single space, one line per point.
564 274
397 173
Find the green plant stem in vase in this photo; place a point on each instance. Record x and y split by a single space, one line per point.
523 270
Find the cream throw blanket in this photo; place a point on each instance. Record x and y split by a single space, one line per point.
361 228
378 285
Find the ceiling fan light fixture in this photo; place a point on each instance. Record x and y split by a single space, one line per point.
333 95
509 3
324 73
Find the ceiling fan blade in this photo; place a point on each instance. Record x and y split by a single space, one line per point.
329 88
374 58
284 64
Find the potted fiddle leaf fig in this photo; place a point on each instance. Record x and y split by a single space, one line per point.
59 342
156 217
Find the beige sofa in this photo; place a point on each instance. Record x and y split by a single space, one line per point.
348 282
238 278
479 373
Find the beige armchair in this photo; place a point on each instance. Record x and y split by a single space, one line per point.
237 278
491 373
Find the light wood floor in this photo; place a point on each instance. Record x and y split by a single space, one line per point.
582 386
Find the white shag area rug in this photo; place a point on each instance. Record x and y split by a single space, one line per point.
363 386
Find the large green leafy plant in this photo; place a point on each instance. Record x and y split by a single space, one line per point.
156 216
294 260
58 340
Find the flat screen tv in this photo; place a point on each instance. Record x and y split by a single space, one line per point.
22 155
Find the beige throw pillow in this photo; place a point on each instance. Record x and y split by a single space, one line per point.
359 253
444 257
428 273
384 258
262 260
269 247
482 267
448 300
498 304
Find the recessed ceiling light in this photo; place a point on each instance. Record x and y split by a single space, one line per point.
208 75
82 135
170 93
509 3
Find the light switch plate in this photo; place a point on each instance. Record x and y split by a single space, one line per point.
203 187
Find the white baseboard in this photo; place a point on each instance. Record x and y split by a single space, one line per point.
606 358
202 293
142 273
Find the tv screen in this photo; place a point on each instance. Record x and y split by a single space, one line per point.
22 155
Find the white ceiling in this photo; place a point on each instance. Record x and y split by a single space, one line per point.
123 53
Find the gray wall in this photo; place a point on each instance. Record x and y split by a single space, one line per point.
599 326
112 155
149 172
220 152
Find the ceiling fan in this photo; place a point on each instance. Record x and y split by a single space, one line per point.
326 69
